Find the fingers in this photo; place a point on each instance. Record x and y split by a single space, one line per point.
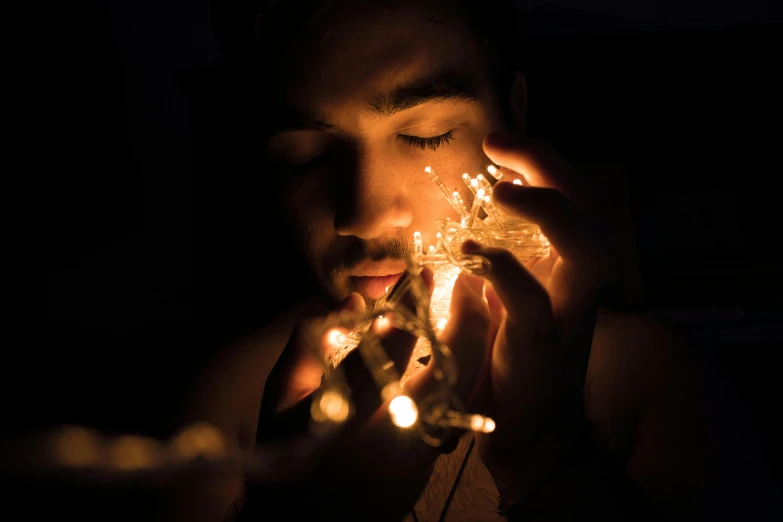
496 311
295 375
354 303
538 163
521 294
299 369
467 332
562 222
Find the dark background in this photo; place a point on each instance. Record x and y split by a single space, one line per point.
104 208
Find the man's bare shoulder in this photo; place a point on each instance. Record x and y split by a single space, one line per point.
229 389
634 342
630 354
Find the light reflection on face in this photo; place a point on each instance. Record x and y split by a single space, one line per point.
382 95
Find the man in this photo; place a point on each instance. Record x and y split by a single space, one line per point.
358 97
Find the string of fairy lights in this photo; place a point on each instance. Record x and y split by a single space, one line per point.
86 453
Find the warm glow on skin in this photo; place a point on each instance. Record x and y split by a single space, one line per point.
359 183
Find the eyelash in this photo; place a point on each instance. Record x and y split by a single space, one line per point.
431 143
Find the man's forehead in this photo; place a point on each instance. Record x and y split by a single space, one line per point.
368 56
322 113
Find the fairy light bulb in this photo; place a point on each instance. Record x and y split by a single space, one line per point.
200 439
332 406
335 337
403 411
494 172
382 323
74 446
482 424
130 452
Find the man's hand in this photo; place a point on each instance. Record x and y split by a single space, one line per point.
546 314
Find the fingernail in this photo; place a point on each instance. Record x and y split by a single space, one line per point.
471 247
506 191
353 303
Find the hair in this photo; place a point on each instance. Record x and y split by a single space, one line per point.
249 33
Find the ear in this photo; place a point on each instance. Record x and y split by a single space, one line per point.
518 104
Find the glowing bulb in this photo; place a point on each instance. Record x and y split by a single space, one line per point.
131 452
77 447
494 172
335 337
484 183
382 323
332 406
417 245
403 411
200 439
482 424
517 182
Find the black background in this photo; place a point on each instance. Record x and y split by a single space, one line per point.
105 263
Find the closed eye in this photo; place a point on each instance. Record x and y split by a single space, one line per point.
432 142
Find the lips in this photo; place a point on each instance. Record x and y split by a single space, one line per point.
374 287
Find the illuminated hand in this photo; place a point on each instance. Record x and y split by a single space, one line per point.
371 469
546 314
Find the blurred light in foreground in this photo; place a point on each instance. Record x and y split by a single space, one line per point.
130 452
200 439
332 406
403 411
74 446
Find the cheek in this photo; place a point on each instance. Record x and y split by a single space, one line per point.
306 208
431 204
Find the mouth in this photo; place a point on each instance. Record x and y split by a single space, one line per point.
374 287
372 281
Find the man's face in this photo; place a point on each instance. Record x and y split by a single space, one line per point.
376 96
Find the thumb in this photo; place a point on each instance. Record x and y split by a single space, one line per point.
467 332
298 371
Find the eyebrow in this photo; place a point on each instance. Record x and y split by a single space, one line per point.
445 87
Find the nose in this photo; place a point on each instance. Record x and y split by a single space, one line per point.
375 204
